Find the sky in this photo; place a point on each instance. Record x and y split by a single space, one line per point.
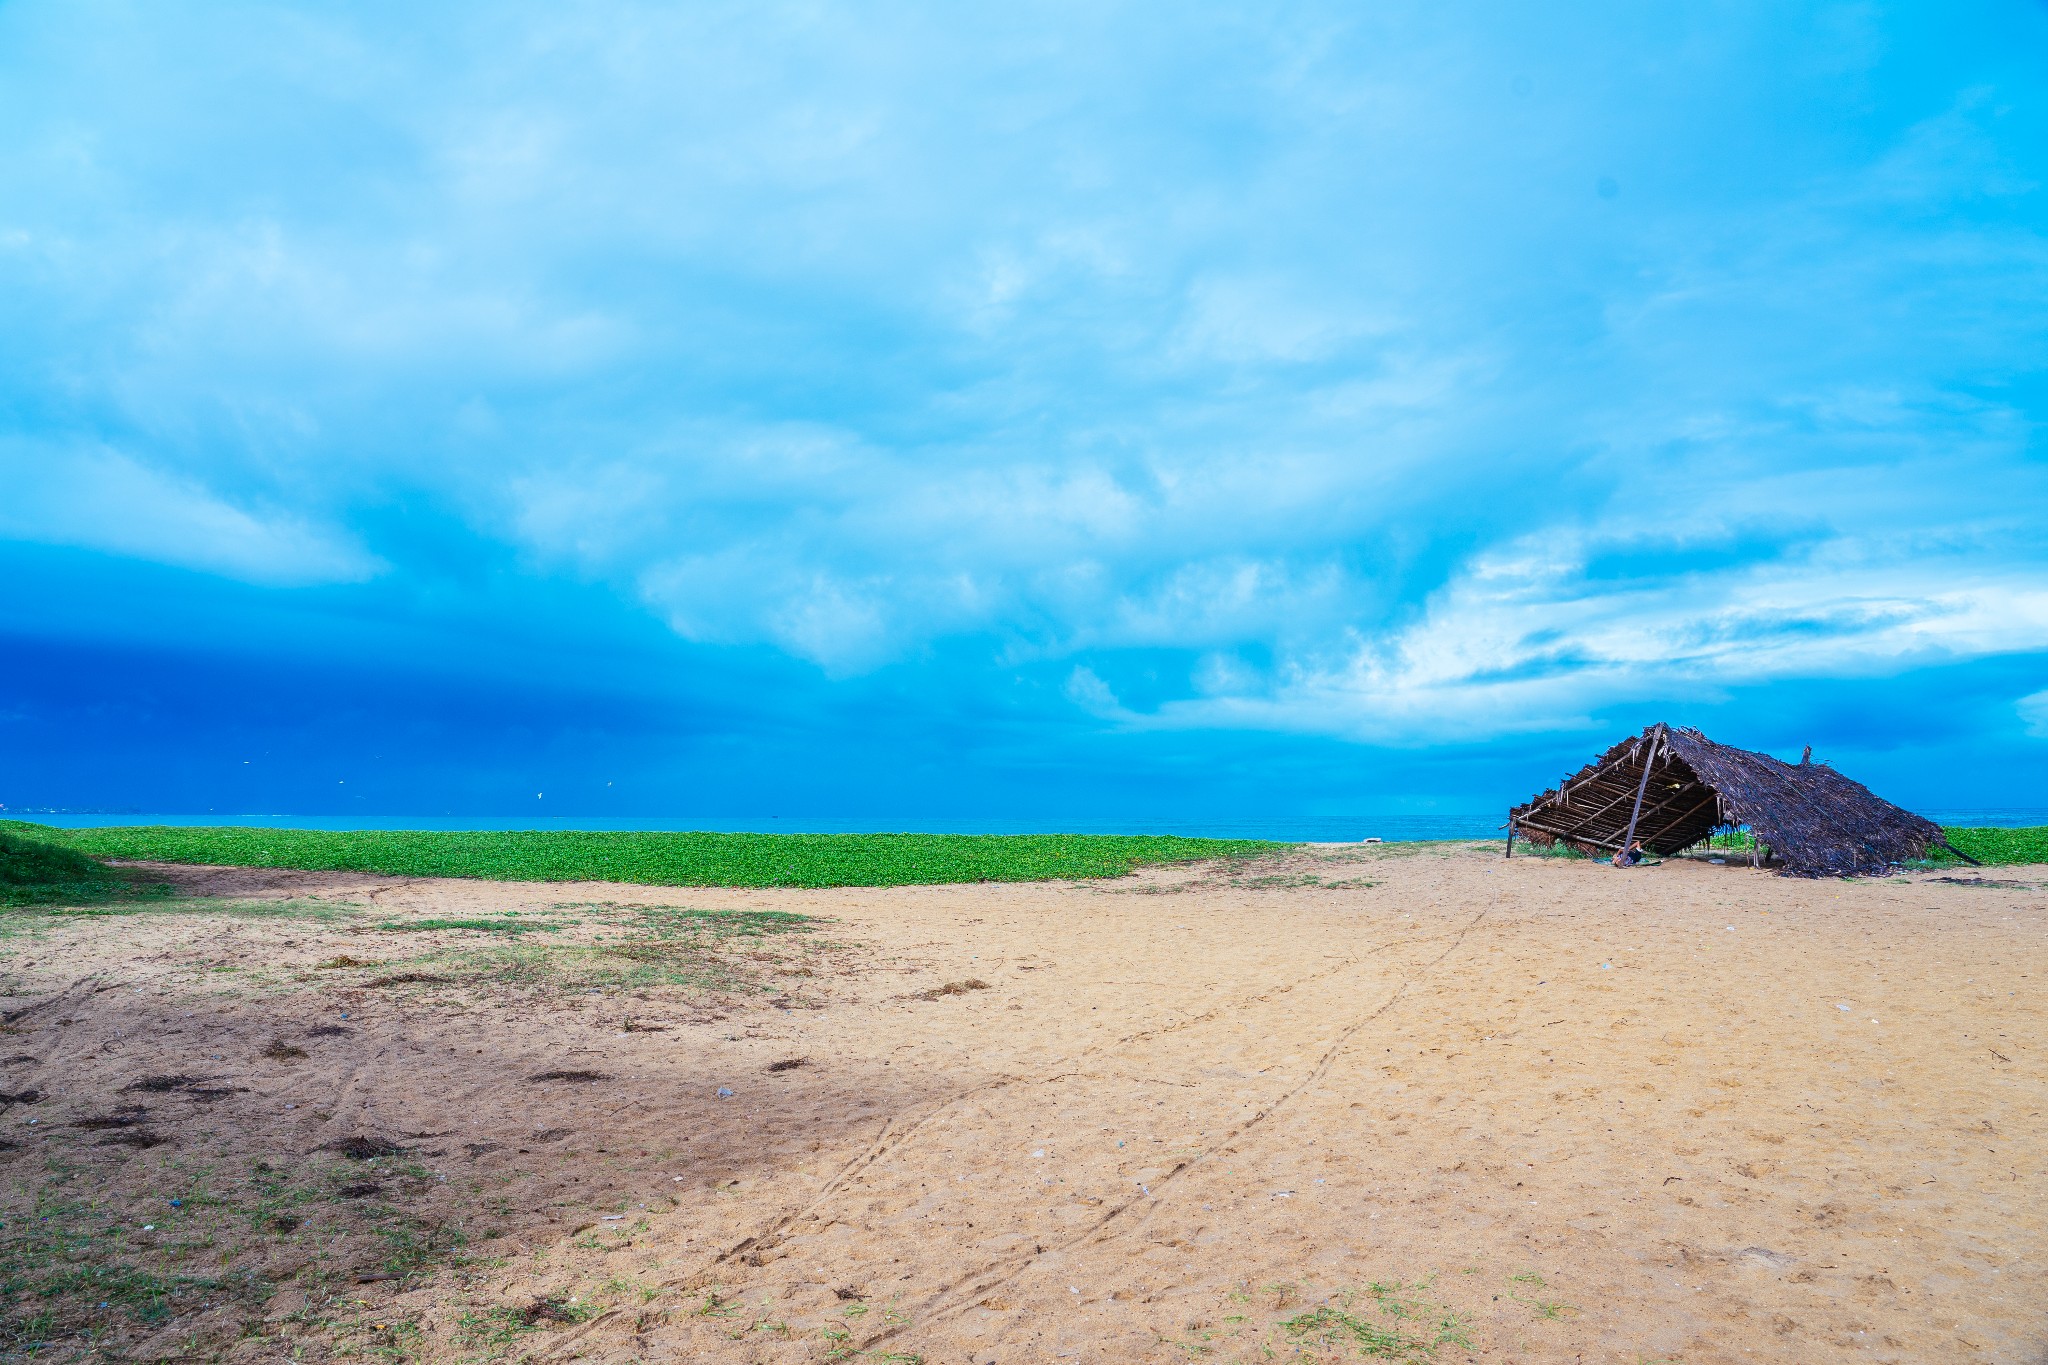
1025 411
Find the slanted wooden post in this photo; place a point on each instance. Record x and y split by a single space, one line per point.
1958 852
1656 737
1510 850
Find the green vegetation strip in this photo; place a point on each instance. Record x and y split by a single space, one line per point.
654 859
2001 845
35 870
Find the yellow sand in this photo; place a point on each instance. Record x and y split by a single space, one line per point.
1685 1113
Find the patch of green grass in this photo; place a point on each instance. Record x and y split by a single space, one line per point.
1296 881
656 859
2001 845
68 1267
1528 848
1549 1309
394 1339
480 926
38 871
716 1305
1422 848
1390 1322
89 1260
624 967
498 1326
33 918
411 1246
703 950
665 922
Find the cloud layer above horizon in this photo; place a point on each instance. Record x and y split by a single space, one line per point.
1419 377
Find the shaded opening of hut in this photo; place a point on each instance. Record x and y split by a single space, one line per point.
1669 789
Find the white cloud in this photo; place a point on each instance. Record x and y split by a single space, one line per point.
1089 692
751 593
98 498
1523 641
1268 321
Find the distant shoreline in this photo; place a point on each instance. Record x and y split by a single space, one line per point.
1302 829
1310 829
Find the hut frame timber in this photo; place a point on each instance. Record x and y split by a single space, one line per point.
1670 788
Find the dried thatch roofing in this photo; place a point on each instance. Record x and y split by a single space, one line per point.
1673 787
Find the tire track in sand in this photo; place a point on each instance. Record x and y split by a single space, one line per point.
896 1131
972 1288
900 1129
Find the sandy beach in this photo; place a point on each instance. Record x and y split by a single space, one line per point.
1531 1110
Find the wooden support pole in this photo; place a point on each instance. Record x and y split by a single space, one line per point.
1510 850
1656 737
1958 852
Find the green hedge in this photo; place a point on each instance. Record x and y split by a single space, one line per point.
39 871
656 859
2001 845
46 857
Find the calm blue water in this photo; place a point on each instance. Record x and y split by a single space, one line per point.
2005 818
1316 829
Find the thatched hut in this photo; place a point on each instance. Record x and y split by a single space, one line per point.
1669 789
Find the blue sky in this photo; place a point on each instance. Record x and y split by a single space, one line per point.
1024 410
